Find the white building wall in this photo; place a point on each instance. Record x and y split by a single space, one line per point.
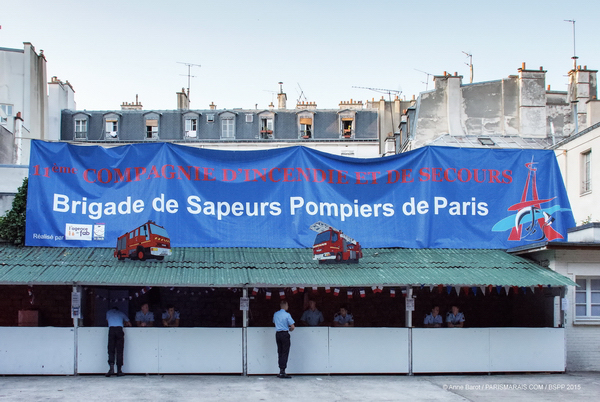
582 338
23 85
60 96
570 158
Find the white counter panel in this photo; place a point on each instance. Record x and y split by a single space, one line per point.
448 350
368 350
527 349
200 350
37 350
308 353
165 350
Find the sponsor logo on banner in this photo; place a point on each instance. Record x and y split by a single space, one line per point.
99 230
75 231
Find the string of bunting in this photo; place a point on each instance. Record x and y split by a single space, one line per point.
350 292
485 289
146 289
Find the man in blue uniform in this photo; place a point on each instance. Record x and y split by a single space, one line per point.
283 325
116 339
455 319
433 319
343 318
144 317
312 316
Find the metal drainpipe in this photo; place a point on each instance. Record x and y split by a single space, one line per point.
409 293
75 333
245 336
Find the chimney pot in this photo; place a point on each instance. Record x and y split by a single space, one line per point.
445 73
523 66
541 68
548 87
585 67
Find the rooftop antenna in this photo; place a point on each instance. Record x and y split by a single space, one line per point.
301 95
470 64
389 92
574 53
428 75
189 75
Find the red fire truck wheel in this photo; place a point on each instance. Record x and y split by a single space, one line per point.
141 255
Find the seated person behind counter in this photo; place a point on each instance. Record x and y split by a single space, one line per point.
343 318
144 317
312 316
433 319
455 319
170 318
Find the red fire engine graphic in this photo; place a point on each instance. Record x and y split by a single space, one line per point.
531 221
332 244
146 241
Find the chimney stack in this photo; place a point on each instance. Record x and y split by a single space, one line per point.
281 97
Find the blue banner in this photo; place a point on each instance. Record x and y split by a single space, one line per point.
432 197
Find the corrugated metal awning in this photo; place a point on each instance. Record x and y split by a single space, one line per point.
267 267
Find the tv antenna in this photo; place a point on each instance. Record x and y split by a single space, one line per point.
574 54
189 75
470 64
301 95
428 75
389 92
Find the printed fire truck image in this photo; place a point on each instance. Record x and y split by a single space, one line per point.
332 244
146 241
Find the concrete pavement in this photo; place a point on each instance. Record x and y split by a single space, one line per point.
530 387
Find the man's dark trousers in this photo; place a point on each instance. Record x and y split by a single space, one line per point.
116 341
283 348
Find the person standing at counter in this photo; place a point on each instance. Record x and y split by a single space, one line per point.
144 317
170 318
433 319
343 318
455 319
116 339
284 324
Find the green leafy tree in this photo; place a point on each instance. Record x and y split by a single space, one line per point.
12 225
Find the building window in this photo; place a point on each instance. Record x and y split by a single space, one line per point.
151 129
586 172
191 128
305 127
210 118
346 120
587 299
80 129
112 128
227 127
346 127
6 111
266 128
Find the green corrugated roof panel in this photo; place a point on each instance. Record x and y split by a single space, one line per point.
236 267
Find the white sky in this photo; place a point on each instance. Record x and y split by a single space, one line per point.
114 49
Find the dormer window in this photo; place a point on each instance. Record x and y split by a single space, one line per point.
305 125
80 129
190 125
347 122
227 125
152 125
111 126
266 125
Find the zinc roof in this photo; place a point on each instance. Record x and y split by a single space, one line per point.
268 267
